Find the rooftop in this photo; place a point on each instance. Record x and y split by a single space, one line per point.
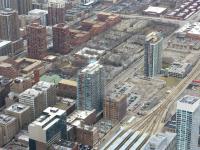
179 67
47 116
153 37
190 28
79 114
51 78
18 107
92 68
43 86
159 141
4 43
31 93
68 82
6 119
37 12
90 53
188 103
156 10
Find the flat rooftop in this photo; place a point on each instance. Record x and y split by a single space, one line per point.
18 108
27 64
92 68
189 99
43 86
188 103
68 82
90 53
4 43
190 28
153 37
31 93
156 10
79 114
6 119
47 116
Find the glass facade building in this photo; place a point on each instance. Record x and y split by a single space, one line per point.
188 123
153 54
90 91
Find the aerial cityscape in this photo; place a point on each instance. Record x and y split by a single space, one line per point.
99 74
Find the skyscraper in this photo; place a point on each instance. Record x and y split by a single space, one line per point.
188 123
36 40
153 54
9 4
22 6
56 13
90 91
61 38
9 25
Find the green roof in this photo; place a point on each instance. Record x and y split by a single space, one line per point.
51 78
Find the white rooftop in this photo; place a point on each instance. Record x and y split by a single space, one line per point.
38 12
159 141
4 43
42 86
32 93
90 53
6 119
178 67
156 10
188 103
17 107
190 28
92 68
47 116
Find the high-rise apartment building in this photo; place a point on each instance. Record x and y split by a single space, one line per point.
153 54
42 14
90 90
9 4
22 6
36 40
5 48
61 38
48 128
34 99
9 25
56 13
115 107
49 90
188 123
21 112
8 128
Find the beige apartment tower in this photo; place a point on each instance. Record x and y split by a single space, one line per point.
21 112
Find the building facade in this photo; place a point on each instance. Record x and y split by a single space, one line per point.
34 99
61 38
188 123
48 128
36 40
153 54
49 91
56 13
21 112
22 6
161 141
115 108
90 90
9 127
9 25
